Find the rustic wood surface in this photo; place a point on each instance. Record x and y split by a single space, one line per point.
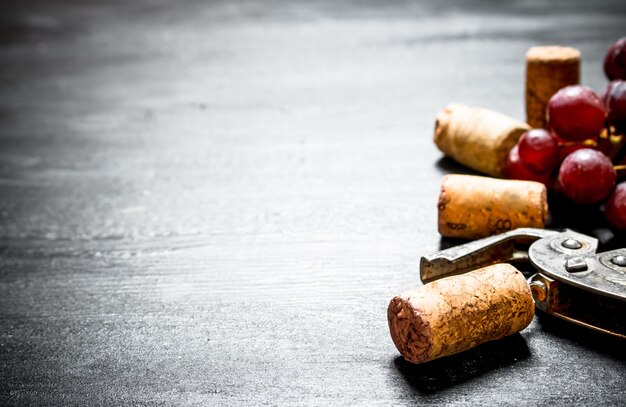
212 202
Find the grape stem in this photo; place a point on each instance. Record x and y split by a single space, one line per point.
587 143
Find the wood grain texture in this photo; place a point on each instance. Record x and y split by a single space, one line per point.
211 203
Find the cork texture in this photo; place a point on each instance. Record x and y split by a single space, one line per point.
472 206
454 314
476 137
548 69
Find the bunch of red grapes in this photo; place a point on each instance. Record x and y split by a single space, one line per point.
582 154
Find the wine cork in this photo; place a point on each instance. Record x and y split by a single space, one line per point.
476 137
454 314
548 69
472 206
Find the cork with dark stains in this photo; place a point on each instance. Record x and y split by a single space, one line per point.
454 314
472 207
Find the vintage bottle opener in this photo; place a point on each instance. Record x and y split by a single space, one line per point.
572 282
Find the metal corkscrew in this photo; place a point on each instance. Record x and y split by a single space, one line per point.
572 282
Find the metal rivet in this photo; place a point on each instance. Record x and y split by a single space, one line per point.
571 244
576 264
619 260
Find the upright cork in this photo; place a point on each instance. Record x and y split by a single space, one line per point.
454 314
476 137
548 69
472 207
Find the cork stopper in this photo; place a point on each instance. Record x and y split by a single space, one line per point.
553 54
456 313
476 137
471 207
548 69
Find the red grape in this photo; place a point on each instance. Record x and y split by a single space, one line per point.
587 176
515 169
616 105
539 151
615 208
576 113
615 60
567 149
604 93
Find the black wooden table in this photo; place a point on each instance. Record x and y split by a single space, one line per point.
211 203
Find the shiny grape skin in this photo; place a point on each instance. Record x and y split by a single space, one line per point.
615 101
515 169
587 176
615 207
539 151
576 113
615 60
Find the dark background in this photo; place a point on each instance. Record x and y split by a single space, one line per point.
213 202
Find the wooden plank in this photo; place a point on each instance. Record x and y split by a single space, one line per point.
212 203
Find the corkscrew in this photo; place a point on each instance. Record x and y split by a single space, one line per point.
572 281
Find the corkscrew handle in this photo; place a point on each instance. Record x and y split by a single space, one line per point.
505 247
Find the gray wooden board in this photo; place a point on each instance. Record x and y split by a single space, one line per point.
211 203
